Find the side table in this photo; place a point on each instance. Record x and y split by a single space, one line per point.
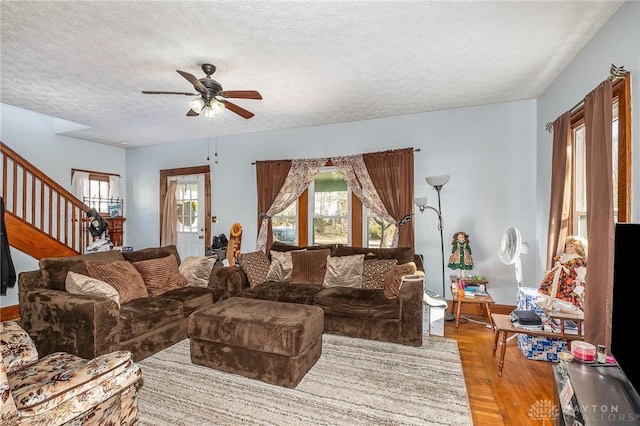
502 326
483 301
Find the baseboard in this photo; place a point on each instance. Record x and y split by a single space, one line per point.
9 312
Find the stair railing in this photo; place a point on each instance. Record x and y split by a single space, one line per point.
35 199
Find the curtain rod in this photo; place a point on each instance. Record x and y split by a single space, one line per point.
414 150
94 172
614 74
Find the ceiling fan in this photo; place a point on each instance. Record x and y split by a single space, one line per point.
212 98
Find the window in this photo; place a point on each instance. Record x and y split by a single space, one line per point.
187 204
378 232
285 225
330 221
95 188
621 149
330 214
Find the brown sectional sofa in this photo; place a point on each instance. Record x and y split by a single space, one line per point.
356 312
89 326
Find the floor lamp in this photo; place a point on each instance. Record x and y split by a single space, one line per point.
437 182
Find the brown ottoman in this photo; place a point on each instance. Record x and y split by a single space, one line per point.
274 342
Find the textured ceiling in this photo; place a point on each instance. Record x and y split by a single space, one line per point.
314 62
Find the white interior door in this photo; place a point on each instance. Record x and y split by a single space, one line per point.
190 203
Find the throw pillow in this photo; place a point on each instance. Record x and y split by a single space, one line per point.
54 269
256 266
374 271
197 269
309 267
280 267
160 275
345 271
86 286
393 280
122 276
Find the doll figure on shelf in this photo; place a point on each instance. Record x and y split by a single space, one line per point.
565 280
460 258
233 247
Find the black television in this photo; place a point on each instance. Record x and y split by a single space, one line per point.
625 301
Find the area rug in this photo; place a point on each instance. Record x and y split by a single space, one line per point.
355 382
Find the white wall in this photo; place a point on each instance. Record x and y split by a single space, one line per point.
489 152
33 136
618 42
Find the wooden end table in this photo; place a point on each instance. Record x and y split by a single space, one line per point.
502 326
483 301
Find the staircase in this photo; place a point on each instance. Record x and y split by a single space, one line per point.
42 218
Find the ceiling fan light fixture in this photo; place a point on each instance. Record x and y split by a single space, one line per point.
217 106
196 105
208 112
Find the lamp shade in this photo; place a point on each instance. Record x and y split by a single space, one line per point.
196 105
439 180
421 201
217 106
208 112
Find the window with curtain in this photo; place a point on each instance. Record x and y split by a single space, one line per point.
98 188
360 200
335 217
621 148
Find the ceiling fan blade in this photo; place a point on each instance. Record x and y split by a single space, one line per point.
238 110
192 113
241 94
193 80
153 92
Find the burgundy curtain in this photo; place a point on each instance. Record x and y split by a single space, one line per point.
600 221
270 176
559 208
392 176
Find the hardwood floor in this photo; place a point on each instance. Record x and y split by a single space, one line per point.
495 400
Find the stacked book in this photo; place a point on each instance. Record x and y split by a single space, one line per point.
470 290
527 320
474 290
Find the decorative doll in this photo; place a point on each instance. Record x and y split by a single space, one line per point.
565 281
235 241
460 258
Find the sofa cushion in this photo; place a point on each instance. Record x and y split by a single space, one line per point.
277 246
393 280
271 290
88 286
122 276
193 298
401 254
151 253
284 292
357 303
60 377
143 315
374 271
197 270
160 274
344 271
309 267
54 269
300 293
256 265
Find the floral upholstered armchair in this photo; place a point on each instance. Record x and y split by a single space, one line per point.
63 389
